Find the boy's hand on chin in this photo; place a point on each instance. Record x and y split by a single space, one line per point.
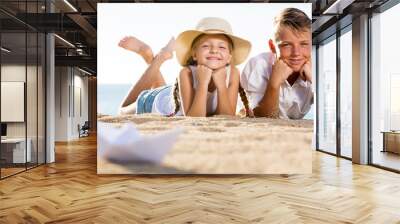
219 77
306 72
280 72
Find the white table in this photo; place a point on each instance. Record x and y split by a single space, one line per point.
18 145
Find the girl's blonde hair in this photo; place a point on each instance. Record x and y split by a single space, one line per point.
191 61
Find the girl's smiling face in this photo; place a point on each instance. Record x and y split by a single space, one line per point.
212 50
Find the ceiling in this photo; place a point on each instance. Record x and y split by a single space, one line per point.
76 22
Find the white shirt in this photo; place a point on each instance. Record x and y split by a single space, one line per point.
294 101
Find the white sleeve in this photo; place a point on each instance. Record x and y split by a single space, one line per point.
308 102
254 76
301 106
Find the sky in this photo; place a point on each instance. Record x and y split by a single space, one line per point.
156 23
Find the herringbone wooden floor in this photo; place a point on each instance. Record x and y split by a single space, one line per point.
70 191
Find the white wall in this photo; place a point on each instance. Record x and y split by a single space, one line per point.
71 94
62 81
81 101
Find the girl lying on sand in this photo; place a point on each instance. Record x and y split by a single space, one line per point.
208 83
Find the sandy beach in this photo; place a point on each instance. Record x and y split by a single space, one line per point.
222 145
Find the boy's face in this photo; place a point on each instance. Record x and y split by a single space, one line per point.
293 47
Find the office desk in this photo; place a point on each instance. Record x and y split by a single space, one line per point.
16 148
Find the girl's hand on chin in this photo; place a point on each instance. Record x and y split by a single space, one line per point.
219 77
203 74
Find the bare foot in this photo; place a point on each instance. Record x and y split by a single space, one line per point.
167 51
135 45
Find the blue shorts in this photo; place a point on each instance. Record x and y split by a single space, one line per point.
146 99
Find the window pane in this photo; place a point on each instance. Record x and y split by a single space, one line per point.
13 86
327 96
385 84
346 93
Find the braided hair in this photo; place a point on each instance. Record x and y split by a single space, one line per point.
177 99
245 101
